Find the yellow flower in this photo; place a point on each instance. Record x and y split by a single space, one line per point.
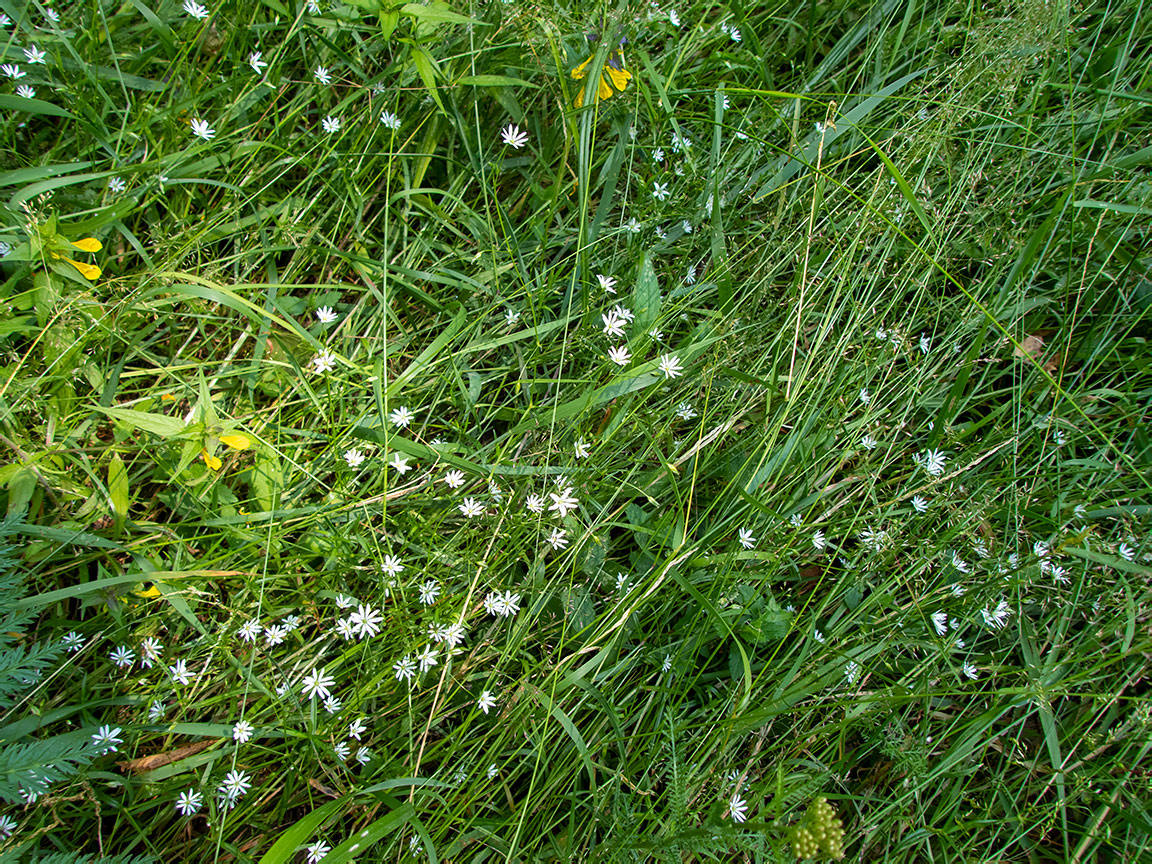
88 244
236 442
614 77
89 271
211 461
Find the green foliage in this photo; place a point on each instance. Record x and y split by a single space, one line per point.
832 323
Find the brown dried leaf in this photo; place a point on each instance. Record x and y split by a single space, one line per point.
159 760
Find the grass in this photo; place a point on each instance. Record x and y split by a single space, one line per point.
887 327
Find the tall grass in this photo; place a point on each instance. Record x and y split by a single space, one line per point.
405 563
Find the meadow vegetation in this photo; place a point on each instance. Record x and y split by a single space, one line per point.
403 463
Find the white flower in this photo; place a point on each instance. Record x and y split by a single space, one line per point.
257 62
660 233
343 601
933 462
608 283
404 669
105 739
195 10
400 464
534 503
970 670
673 18
925 344
738 808
363 755
341 750
558 539
429 591
275 634
734 34
392 565
454 479
667 663
794 520
670 366
322 75
511 316
581 448
316 683
619 355
818 541
919 503
242 731
5 21
690 275
940 622
623 583
72 641
123 656
332 705
998 617
25 92
624 313
179 672
189 802
486 701
613 325
366 621
868 442
1126 552
150 650
390 121
356 728
960 564
513 137
851 671
632 226
746 539
317 851
201 129
34 55
686 226
354 458
401 417
331 124
427 658
865 396
51 14
660 191
471 508
235 784
818 636
563 501
12 70
250 630
116 184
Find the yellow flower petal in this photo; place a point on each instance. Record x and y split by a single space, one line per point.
89 244
211 461
236 442
167 397
88 271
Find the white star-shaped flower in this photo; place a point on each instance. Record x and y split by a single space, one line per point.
513 136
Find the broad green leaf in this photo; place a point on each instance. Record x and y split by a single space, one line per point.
31 106
118 490
300 833
426 66
158 424
646 296
21 485
435 14
493 81
267 479
358 844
